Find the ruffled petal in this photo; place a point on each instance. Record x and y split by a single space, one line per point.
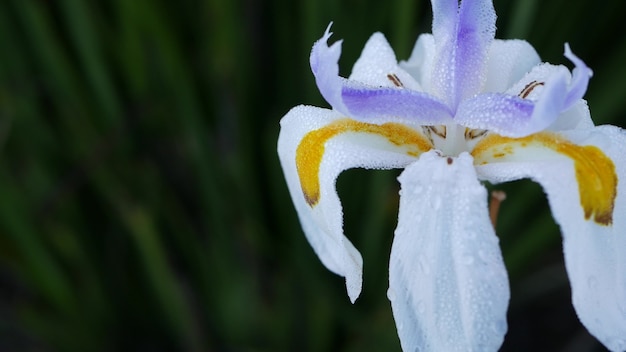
462 39
376 104
447 282
580 79
314 146
583 173
531 105
324 61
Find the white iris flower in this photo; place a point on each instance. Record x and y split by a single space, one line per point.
464 108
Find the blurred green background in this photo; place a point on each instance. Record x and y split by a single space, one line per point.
142 206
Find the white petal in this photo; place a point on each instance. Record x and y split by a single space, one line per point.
575 118
509 61
576 82
541 74
377 62
447 282
321 218
594 247
420 63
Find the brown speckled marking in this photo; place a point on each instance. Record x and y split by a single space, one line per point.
529 88
395 80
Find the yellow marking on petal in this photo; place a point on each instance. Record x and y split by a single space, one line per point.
311 149
595 172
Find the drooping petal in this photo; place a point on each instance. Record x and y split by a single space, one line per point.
372 103
462 40
314 146
447 282
583 173
531 105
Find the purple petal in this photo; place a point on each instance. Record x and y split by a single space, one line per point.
324 65
513 116
580 79
368 103
504 114
394 104
462 39
444 18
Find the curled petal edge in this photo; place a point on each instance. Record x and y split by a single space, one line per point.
513 116
368 103
314 146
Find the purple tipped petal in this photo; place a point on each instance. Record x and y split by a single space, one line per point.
394 104
503 114
324 65
513 116
444 18
370 103
462 37
580 79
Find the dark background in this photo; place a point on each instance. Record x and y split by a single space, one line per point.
142 206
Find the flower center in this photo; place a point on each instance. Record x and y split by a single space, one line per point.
452 140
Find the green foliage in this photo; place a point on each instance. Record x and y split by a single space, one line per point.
142 205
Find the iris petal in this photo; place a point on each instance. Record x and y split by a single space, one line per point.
509 61
462 38
314 146
369 103
591 218
514 116
447 282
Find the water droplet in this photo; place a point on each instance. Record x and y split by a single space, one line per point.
424 266
592 281
436 203
391 294
421 307
598 322
499 327
617 344
468 259
483 256
622 309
